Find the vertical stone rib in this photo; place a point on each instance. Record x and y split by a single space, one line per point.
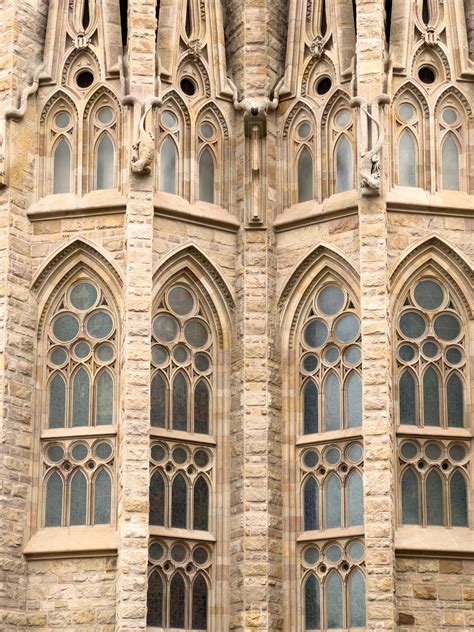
376 341
135 367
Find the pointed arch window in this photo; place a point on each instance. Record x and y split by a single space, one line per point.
305 175
168 165
101 142
211 151
340 143
62 169
407 163
344 175
80 371
206 176
450 163
105 163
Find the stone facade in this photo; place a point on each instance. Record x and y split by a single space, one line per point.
255 250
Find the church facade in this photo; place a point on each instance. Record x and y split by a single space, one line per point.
237 315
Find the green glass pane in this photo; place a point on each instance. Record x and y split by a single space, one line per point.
455 399
201 407
54 501
333 553
332 402
331 300
434 499
310 458
334 601
80 398
79 452
55 453
332 456
82 350
201 505
311 555
78 500
83 295
158 401
105 352
310 408
102 498
355 500
356 551
354 453
431 409
311 504
58 356
410 498
100 325
407 397
412 325
409 450
157 500
180 402
354 400
353 355
103 451
458 494
179 495
447 327
347 328
312 604
65 327
104 399
57 402
332 502
428 294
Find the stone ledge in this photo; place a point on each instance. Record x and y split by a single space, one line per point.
332 534
332 435
179 435
182 534
65 542
416 200
66 205
306 213
202 213
415 541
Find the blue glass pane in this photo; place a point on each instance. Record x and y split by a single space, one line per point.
177 603
332 403
54 501
78 500
105 163
434 499
305 176
407 397
354 400
357 600
155 600
157 500
201 505
57 402
199 618
80 398
201 408
312 604
158 401
343 165
180 402
311 505
431 398
455 399
355 500
179 496
334 603
104 399
332 502
410 498
102 498
458 495
168 166
310 408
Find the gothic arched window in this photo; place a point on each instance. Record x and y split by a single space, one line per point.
62 166
450 133
211 154
81 387
341 147
101 134
408 121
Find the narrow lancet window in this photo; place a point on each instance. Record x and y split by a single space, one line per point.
407 160
105 163
62 167
305 176
450 163
168 162
344 181
206 177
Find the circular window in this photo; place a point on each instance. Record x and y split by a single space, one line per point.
156 551
179 553
352 355
165 328
310 363
82 350
202 362
433 451
180 456
354 453
168 119
83 296
450 116
409 450
426 74
428 294
65 327
103 451
343 118
159 355
311 555
315 333
180 354
430 349
105 115
412 325
55 453
347 328
79 452
196 333
180 300
332 456
447 327
200 555
406 111
304 130
100 325
310 458
332 355
105 353
323 85
454 355
207 131
406 353
334 553
58 356
331 300
158 453
457 452
201 458
84 79
356 551
62 120
188 86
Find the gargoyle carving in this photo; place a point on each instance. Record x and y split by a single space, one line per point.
144 148
19 112
257 106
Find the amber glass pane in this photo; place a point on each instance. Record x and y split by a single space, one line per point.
357 599
311 505
199 603
332 502
57 402
158 401
305 176
355 500
179 495
332 402
177 604
410 498
54 501
180 402
80 398
310 408
431 398
78 500
458 496
455 397
201 408
312 604
334 602
434 499
155 600
102 498
407 397
201 505
104 404
157 500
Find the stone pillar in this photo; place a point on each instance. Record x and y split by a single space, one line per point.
136 329
376 348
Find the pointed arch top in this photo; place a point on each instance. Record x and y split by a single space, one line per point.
433 253
174 99
411 88
299 107
217 114
337 95
101 91
54 100
458 95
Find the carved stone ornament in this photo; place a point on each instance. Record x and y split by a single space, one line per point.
195 48
431 37
144 148
317 47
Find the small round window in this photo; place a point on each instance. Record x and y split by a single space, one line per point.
62 120
168 119
323 85
188 86
304 130
207 131
450 116
84 79
427 75
406 112
343 118
105 115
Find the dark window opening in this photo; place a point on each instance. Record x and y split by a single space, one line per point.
86 17
124 21
388 20
324 21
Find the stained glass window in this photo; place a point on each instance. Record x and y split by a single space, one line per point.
200 597
201 505
155 600
177 604
157 499
179 498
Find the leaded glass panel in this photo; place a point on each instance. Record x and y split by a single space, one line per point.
179 498
102 497
334 601
78 499
199 606
312 602
54 501
177 603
